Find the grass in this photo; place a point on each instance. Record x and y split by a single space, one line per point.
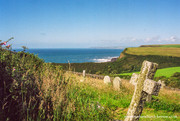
175 45
167 72
116 103
161 51
41 91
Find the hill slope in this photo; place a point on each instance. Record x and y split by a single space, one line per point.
130 60
160 51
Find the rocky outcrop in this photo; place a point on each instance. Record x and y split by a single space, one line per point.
113 59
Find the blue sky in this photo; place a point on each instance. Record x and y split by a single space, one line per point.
89 23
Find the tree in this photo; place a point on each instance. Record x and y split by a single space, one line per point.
24 48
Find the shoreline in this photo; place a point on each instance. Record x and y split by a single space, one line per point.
113 59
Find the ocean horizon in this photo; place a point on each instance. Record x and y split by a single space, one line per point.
74 55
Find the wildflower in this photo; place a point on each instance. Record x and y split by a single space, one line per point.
14 69
8 46
4 43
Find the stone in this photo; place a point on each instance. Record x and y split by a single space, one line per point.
145 86
151 87
117 83
134 78
162 84
107 80
84 73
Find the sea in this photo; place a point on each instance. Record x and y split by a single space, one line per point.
75 55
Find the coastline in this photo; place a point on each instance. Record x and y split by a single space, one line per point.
113 59
76 55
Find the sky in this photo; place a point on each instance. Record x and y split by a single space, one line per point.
89 23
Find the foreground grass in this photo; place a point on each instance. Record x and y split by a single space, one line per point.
161 51
116 103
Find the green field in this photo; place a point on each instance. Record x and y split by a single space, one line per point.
177 46
167 72
165 50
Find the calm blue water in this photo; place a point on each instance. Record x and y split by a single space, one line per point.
75 55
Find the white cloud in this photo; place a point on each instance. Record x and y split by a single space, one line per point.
135 41
172 39
156 40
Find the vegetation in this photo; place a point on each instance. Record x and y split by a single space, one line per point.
129 63
166 45
175 45
161 51
171 76
34 90
116 103
166 72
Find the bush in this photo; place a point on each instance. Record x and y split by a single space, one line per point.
33 90
173 81
19 92
177 74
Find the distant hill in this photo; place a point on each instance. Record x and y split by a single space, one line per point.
115 47
131 60
165 45
165 50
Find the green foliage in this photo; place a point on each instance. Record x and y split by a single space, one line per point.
84 105
162 105
24 48
33 90
3 45
173 81
17 79
171 76
167 72
130 63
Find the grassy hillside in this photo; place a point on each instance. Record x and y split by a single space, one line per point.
175 45
160 51
129 63
131 60
34 90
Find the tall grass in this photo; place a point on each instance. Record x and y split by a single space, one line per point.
34 90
